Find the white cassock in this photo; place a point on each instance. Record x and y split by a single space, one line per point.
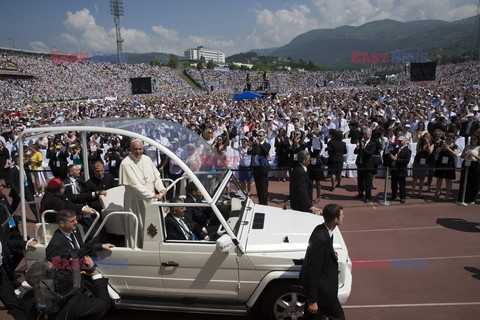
140 178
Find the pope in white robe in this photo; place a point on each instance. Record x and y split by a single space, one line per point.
141 178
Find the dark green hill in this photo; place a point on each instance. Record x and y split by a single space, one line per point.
333 47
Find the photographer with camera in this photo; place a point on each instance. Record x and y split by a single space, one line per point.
55 294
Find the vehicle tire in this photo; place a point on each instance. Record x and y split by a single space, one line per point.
284 301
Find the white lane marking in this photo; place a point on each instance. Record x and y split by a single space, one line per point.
428 258
414 305
393 229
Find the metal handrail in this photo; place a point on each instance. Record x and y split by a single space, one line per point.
111 214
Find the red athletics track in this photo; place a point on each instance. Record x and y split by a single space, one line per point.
445 234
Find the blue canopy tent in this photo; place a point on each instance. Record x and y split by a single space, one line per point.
247 95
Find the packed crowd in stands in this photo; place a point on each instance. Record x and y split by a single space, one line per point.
311 107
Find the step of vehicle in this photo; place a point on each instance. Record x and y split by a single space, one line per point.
180 305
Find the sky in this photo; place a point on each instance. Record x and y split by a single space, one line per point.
231 26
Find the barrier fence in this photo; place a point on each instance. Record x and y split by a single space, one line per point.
387 170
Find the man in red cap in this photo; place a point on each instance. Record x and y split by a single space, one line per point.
55 199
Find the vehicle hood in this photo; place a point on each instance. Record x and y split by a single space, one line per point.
277 230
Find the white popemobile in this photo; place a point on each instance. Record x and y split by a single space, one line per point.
255 259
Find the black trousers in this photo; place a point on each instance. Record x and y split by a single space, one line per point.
364 182
399 181
326 307
261 184
8 297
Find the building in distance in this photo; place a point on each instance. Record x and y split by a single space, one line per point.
208 54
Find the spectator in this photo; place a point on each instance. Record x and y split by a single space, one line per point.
421 163
400 157
336 149
445 164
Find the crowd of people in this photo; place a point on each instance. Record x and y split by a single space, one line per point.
302 132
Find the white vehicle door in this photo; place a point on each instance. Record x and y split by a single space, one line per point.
197 269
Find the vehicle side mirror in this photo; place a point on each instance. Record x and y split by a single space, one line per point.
224 243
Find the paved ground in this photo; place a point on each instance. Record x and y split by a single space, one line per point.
438 278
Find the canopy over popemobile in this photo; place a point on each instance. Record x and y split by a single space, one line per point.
210 180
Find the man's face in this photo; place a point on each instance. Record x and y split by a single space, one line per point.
339 220
137 149
75 172
99 171
179 212
69 225
306 161
261 136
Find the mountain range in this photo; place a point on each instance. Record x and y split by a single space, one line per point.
333 47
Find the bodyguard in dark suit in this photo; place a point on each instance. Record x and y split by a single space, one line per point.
319 273
200 215
261 166
301 186
400 158
7 293
365 150
66 242
57 156
11 232
15 189
468 127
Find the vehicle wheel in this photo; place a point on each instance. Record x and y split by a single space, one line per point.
284 301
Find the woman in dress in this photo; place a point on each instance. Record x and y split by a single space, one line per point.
36 167
315 168
419 133
437 141
336 150
471 156
420 163
447 152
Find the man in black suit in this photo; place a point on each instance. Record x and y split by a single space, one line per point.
100 181
10 242
319 273
79 305
66 242
301 186
468 127
15 189
365 150
200 215
57 156
261 166
400 157
9 225
180 227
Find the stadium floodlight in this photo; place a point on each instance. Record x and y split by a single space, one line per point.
116 9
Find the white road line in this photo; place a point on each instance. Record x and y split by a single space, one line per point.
392 229
414 305
427 258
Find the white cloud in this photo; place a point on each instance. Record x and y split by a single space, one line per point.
39 46
278 28
356 12
166 34
85 33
